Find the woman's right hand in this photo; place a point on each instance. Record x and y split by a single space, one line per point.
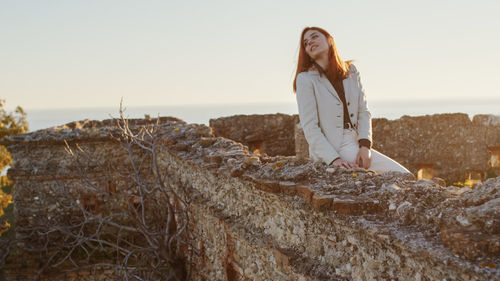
342 163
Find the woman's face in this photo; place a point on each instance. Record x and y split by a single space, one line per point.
315 44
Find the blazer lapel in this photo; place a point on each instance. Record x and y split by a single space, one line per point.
329 86
347 88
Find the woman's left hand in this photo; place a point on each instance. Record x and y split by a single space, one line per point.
363 159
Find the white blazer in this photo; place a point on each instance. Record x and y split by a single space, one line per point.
321 112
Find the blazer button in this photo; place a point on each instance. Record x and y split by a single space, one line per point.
348 103
352 115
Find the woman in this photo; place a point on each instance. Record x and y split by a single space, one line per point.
332 107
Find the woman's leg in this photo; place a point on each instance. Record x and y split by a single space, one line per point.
379 162
349 146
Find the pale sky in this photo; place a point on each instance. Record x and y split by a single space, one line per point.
73 54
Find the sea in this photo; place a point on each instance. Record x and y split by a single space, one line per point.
201 114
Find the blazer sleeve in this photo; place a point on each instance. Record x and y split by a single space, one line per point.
364 115
308 115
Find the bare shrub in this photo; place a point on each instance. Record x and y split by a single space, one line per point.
121 211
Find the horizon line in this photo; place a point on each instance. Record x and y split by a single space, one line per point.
454 101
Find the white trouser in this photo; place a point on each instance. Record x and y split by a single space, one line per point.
379 162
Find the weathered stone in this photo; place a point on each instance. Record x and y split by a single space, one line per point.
350 205
251 160
305 193
236 171
207 141
470 243
204 131
391 187
212 158
282 260
269 186
180 146
439 181
486 120
322 202
288 187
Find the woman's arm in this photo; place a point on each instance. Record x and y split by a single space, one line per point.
308 115
363 158
364 115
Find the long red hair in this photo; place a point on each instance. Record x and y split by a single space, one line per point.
337 68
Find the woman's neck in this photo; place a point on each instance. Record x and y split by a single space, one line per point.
323 62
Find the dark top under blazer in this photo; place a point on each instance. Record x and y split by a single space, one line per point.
321 112
339 88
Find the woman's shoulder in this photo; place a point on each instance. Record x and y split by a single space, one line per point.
306 74
353 71
352 68
310 73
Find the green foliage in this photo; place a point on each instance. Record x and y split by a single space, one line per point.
5 200
11 123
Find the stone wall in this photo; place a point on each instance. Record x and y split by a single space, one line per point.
272 134
451 143
259 217
45 176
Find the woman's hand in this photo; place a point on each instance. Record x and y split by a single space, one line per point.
363 159
342 163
